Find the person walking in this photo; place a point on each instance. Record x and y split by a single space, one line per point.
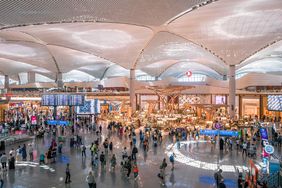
128 167
83 152
111 146
92 149
218 177
100 129
102 160
106 146
161 175
135 171
124 153
171 159
113 162
68 176
134 153
244 149
90 179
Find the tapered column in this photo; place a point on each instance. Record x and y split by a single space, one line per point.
132 90
261 111
60 83
31 77
6 83
232 91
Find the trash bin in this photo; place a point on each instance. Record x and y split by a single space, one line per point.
2 145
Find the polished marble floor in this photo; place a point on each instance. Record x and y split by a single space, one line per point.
32 175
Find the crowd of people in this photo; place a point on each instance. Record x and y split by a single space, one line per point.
102 152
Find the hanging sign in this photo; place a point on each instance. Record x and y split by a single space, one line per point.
263 133
218 126
188 73
269 149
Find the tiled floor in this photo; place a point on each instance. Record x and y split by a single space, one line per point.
32 175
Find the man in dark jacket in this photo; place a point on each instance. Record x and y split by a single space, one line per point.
134 152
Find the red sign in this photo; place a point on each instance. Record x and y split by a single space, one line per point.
9 94
188 73
33 120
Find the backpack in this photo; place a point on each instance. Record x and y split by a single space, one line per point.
171 158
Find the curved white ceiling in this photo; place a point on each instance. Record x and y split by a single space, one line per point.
233 30
100 39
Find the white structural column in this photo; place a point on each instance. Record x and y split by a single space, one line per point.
132 90
60 80
232 91
6 83
31 77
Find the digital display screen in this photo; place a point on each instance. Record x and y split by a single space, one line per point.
76 100
58 122
62 100
220 99
274 102
263 133
48 100
221 133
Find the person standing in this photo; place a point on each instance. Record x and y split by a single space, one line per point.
23 152
237 144
30 152
68 176
221 144
11 162
90 179
4 160
18 153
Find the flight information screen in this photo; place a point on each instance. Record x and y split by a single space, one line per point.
76 100
48 100
274 102
62 100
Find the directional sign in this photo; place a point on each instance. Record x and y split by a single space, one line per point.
269 149
208 132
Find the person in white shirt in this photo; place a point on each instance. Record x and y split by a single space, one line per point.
244 149
12 152
30 152
18 153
